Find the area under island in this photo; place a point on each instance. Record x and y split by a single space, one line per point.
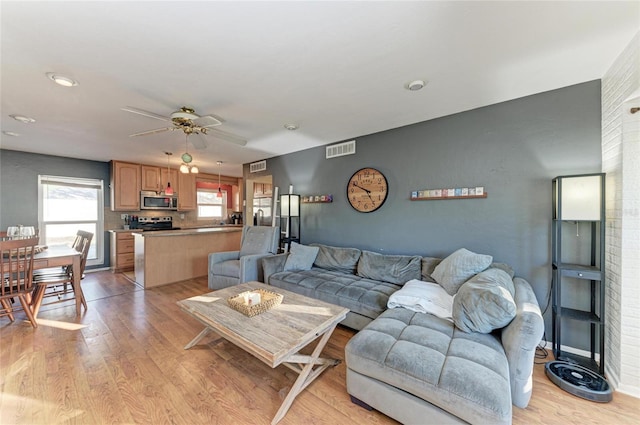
174 255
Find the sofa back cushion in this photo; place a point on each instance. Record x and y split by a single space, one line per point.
337 259
428 265
397 269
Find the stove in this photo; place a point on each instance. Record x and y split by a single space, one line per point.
155 223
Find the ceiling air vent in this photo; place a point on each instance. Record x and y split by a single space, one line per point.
258 166
341 149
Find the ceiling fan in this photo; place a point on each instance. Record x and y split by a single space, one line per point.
186 120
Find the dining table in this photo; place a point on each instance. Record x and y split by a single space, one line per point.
60 256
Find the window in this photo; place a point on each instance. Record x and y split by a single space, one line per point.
210 206
69 204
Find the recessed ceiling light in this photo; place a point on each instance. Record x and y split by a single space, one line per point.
11 133
62 80
291 127
415 85
22 119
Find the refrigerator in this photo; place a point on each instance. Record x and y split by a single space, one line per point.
262 211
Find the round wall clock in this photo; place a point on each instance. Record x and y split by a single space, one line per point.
367 190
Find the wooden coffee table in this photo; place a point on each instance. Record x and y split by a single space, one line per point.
275 336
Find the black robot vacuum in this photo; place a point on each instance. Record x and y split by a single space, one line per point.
579 381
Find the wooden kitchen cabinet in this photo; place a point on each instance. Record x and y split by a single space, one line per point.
155 179
122 255
262 189
187 197
125 186
172 177
150 178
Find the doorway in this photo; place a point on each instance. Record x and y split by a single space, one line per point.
259 197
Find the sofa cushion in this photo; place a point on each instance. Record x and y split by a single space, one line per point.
337 259
505 267
426 356
485 302
428 265
458 267
424 297
396 269
300 257
363 296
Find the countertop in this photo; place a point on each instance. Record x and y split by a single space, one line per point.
232 226
185 232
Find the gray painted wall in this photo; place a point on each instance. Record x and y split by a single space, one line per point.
513 149
19 185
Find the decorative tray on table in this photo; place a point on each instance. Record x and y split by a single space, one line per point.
251 303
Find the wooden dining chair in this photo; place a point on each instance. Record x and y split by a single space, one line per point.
53 284
16 271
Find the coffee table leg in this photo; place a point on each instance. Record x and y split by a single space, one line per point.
307 375
197 339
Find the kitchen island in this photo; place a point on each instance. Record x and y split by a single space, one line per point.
170 256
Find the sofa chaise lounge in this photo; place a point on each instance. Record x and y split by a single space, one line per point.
413 365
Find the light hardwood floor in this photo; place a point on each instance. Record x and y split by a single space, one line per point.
123 362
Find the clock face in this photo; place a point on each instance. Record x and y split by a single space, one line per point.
367 190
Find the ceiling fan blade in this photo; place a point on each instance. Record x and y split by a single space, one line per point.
157 130
199 142
227 137
207 121
145 113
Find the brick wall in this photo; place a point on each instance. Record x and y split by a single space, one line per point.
620 153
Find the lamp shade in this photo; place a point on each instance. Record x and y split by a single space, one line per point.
578 198
290 205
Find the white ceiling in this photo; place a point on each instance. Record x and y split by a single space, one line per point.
336 69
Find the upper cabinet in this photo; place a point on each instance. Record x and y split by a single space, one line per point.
125 186
155 179
150 178
262 190
187 192
170 177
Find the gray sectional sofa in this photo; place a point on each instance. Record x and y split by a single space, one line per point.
414 366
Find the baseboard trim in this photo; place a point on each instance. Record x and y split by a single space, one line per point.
584 353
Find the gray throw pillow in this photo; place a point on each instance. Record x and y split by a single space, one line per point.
397 269
485 302
338 259
458 267
300 257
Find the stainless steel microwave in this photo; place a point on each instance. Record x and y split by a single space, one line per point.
153 201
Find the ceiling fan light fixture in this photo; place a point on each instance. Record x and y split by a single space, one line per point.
184 169
194 169
62 80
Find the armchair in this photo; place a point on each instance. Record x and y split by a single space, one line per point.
233 267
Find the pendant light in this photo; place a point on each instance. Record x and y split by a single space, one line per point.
169 190
219 195
186 166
